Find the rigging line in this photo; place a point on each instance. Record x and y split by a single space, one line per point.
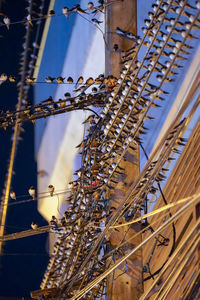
97 28
179 213
182 244
152 213
173 228
30 200
15 135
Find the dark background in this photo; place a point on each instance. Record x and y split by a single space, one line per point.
23 261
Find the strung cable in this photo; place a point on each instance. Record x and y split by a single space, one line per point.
173 227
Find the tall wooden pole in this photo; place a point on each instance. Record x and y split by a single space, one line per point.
126 281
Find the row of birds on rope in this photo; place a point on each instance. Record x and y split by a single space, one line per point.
101 79
83 178
97 97
66 11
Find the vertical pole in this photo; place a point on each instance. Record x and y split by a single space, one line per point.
126 282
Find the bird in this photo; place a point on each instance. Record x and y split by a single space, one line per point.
52 13
12 78
77 8
89 119
67 95
3 78
35 45
51 189
90 6
60 79
12 195
34 226
95 21
32 192
89 81
79 81
6 21
48 101
30 79
49 79
29 19
70 80
65 11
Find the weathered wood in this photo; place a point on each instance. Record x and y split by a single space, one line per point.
127 279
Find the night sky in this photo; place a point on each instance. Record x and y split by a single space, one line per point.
23 261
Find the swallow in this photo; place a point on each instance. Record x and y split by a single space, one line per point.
48 101
61 103
35 45
65 11
29 19
77 8
3 78
51 189
70 80
160 78
32 192
12 195
6 21
89 81
49 79
60 79
90 6
67 95
34 226
95 21
12 78
79 81
30 79
89 119
52 13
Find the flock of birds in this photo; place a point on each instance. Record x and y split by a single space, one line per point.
83 246
99 90
34 15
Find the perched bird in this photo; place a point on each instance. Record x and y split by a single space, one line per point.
52 13
12 195
77 8
65 11
89 119
49 79
12 78
89 81
6 21
3 78
70 80
95 21
29 19
32 192
51 189
79 81
34 226
90 6
126 34
67 95
60 79
48 101
35 45
30 79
